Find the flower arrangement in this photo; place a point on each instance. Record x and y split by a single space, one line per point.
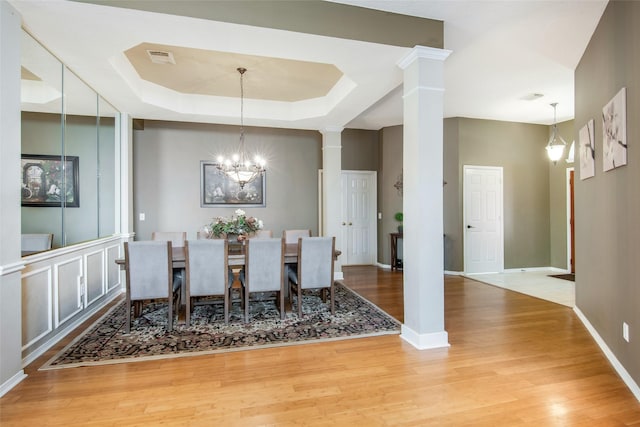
239 224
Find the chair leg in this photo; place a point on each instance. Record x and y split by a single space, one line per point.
137 308
227 303
299 300
187 313
128 324
246 305
280 296
333 300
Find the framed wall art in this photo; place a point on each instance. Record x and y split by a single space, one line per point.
614 131
587 150
50 181
218 190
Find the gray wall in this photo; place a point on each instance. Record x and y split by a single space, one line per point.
519 149
360 150
558 200
453 239
608 205
166 169
389 200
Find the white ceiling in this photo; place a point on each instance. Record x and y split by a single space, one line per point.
502 52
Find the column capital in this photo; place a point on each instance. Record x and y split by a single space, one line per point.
331 129
423 52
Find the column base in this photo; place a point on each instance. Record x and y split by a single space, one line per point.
424 341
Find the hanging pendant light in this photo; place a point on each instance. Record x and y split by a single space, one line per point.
239 168
555 146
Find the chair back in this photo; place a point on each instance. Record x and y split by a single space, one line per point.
315 262
262 234
206 267
36 242
177 238
292 236
264 261
149 269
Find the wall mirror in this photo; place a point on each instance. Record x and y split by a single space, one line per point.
68 152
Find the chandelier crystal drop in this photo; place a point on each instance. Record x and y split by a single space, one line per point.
555 146
239 168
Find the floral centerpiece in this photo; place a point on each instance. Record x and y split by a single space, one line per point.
239 224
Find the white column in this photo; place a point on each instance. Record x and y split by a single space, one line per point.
11 371
332 189
423 251
124 176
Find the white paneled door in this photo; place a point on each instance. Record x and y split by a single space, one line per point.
359 228
483 220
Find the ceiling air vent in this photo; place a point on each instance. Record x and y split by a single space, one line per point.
161 57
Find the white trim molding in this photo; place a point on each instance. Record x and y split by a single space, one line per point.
423 52
12 382
424 341
626 377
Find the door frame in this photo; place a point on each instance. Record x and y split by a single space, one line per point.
373 242
570 220
500 169
373 208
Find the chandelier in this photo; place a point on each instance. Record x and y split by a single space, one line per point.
555 146
239 168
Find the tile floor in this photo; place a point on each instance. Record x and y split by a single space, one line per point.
536 283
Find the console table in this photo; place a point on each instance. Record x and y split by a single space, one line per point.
396 263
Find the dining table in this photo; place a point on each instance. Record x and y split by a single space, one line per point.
236 259
235 255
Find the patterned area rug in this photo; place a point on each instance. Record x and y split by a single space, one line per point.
105 341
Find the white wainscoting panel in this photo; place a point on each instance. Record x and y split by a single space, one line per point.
37 316
94 273
68 288
63 287
113 270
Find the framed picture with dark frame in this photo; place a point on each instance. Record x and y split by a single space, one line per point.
47 181
218 190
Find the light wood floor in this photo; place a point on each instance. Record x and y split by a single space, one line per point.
514 361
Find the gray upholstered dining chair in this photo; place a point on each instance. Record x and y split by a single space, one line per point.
315 269
291 236
149 276
262 234
207 273
177 238
263 271
36 242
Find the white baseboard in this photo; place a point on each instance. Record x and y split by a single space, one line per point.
633 386
70 328
424 341
12 382
532 269
453 273
385 266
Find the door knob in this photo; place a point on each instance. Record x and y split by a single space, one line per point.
350 224
470 226
344 223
